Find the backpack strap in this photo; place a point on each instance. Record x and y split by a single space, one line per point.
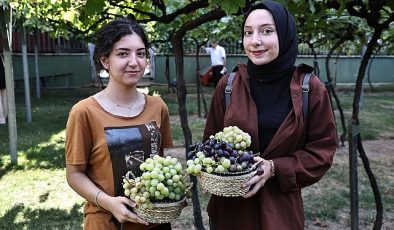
229 88
305 92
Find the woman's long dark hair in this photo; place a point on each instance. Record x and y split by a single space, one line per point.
111 33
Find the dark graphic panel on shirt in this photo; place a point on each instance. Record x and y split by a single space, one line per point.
129 147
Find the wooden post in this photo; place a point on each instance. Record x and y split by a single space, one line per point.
354 131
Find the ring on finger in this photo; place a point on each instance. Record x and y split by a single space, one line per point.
260 170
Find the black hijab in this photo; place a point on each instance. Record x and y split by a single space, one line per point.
288 44
270 83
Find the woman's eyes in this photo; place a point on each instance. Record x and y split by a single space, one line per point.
263 31
140 54
248 33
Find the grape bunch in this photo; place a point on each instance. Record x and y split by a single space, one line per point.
235 137
223 152
162 180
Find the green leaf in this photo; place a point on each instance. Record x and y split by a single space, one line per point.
94 6
69 16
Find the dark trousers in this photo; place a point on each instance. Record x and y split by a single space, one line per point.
216 75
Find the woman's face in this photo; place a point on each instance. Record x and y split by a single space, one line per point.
127 61
260 39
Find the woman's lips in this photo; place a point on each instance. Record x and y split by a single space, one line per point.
257 52
133 73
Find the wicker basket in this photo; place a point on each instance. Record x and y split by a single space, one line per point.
226 184
162 212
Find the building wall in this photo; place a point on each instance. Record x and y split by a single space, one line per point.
78 65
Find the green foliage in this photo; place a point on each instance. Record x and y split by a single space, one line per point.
79 19
93 6
230 6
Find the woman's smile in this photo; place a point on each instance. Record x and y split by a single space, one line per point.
258 52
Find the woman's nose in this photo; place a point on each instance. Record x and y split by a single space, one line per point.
132 60
256 39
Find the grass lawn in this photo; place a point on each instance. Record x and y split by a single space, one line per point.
35 195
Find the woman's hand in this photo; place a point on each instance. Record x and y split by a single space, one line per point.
258 181
118 207
81 183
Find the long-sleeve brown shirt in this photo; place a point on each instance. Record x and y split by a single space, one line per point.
301 157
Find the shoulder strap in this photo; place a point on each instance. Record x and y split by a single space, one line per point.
229 89
305 92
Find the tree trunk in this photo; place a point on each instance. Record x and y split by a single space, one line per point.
198 78
355 118
6 34
36 63
332 92
374 185
200 92
26 79
176 42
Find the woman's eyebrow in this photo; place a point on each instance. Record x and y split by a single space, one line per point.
260 25
127 49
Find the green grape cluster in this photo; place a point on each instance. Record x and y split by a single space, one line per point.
221 153
162 180
235 137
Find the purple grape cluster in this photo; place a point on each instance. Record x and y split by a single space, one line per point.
218 156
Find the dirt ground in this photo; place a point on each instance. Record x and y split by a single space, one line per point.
381 150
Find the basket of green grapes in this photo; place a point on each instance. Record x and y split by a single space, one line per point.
222 163
160 192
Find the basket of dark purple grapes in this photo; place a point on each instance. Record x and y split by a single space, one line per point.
222 163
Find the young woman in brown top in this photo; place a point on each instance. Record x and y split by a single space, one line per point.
111 132
267 103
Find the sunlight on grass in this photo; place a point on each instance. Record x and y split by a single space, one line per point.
45 154
37 189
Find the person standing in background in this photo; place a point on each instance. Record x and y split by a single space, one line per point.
218 61
3 95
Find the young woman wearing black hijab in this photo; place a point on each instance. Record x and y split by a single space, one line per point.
266 102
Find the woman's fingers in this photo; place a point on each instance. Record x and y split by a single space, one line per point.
134 218
257 159
255 183
130 216
254 189
252 181
129 202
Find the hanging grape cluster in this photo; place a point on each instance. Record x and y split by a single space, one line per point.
226 151
162 180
